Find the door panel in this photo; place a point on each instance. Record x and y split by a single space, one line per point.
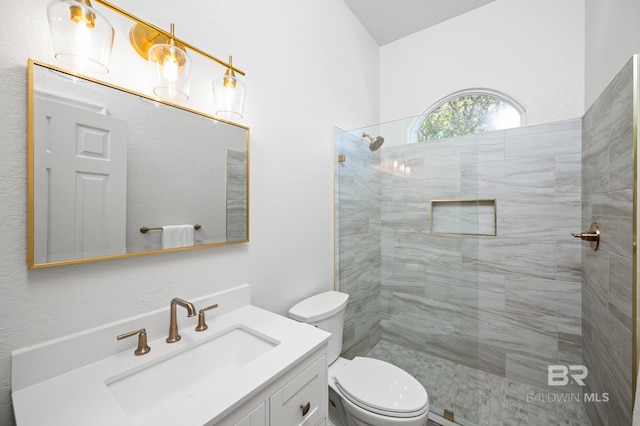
82 166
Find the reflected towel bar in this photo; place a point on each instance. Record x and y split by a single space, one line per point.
144 229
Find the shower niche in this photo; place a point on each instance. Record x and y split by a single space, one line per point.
464 217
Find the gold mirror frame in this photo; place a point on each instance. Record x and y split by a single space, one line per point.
31 89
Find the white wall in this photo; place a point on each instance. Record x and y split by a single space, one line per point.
531 50
612 38
309 67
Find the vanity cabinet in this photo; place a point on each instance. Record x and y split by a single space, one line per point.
298 398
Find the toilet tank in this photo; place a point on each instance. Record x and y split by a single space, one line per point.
325 311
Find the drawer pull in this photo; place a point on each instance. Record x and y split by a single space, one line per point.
305 408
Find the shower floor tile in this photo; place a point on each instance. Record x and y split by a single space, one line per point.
477 397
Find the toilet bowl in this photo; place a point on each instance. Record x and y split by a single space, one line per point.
370 392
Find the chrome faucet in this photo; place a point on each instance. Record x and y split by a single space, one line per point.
173 324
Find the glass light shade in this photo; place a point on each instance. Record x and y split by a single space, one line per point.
173 71
228 95
82 37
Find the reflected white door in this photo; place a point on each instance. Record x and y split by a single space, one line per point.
81 163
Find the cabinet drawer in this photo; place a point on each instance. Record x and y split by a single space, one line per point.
296 404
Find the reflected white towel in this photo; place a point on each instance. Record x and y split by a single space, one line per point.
174 236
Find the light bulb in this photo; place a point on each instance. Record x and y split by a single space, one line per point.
81 16
170 68
82 37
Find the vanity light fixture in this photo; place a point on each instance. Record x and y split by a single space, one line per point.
173 69
82 37
228 94
154 44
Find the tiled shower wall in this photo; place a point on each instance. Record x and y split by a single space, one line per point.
607 188
357 182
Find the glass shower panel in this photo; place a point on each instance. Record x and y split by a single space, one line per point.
413 292
357 240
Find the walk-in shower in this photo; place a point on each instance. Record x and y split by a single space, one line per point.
461 269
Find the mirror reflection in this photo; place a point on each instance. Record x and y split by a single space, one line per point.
114 173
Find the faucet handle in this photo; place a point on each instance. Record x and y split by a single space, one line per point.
143 348
202 326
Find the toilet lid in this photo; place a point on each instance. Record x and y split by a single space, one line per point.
381 387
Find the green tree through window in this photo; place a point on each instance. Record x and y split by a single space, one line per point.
468 114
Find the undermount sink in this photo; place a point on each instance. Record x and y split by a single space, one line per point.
175 378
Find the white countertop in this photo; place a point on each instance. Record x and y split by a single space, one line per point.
81 397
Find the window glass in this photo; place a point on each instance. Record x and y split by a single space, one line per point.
468 114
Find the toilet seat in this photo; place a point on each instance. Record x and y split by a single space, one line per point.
382 388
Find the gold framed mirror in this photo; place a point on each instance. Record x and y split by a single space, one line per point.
104 163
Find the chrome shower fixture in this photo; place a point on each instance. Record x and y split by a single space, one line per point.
376 142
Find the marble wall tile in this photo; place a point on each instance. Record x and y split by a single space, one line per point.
595 157
540 218
526 368
620 292
407 216
492 360
615 110
428 249
570 344
568 253
517 177
532 142
598 413
607 182
411 334
587 315
613 211
514 333
485 292
514 256
529 297
621 143
568 175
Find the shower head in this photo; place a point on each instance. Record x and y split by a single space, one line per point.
376 142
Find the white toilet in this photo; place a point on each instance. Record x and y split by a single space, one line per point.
364 391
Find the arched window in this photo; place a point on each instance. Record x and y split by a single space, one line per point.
467 112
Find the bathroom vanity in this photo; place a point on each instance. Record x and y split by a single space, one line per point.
250 367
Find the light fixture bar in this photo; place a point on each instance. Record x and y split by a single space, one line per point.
168 35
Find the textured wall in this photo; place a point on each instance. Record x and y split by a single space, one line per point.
504 48
607 190
508 304
612 37
290 255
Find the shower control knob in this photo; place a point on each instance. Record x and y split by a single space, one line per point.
587 236
593 236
